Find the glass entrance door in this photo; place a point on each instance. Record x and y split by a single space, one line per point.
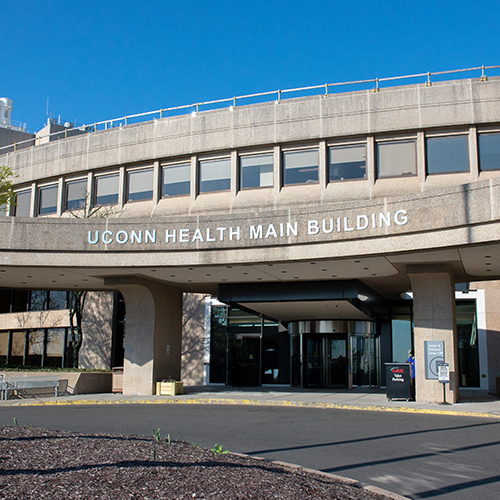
244 360
326 361
365 360
337 364
314 367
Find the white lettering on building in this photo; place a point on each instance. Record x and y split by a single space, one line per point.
272 231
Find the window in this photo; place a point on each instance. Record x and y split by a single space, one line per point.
47 203
106 189
57 301
300 167
19 300
396 158
38 300
347 162
17 352
55 346
256 171
76 194
215 175
489 151
140 185
447 154
176 180
23 204
36 341
4 346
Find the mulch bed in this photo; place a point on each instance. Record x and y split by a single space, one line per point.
39 463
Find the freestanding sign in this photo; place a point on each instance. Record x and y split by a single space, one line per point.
444 373
444 378
398 381
434 354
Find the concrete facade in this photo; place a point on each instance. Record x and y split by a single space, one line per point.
381 231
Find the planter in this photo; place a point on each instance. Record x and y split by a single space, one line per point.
117 384
168 388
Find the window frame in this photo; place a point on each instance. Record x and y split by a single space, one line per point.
445 136
395 140
201 162
292 150
67 182
39 198
346 145
165 166
133 171
480 133
16 206
113 173
255 154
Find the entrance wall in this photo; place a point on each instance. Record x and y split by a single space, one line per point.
434 319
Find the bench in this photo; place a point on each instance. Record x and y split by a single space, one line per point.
18 385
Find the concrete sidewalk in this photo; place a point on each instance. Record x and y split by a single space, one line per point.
472 403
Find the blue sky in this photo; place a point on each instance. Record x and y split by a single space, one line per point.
98 60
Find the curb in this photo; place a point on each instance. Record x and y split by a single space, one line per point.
345 480
254 402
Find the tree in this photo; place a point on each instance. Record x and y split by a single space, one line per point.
76 306
6 191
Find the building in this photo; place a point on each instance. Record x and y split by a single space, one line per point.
304 242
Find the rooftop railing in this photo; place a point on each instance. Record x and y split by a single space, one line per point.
231 102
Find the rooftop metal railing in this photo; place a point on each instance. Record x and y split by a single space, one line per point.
276 95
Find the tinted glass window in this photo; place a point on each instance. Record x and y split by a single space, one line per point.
5 300
55 346
347 162
57 300
300 166
447 154
215 175
23 202
4 344
38 300
140 185
256 171
106 189
76 194
489 151
396 158
19 301
48 200
176 180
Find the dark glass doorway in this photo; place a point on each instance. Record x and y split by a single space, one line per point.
244 360
326 362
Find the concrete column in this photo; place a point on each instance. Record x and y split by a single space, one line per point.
277 170
473 153
195 183
434 319
323 167
157 182
235 177
153 333
421 166
371 174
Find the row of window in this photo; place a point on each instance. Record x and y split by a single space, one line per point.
347 162
36 347
12 301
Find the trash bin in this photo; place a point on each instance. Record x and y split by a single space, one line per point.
398 381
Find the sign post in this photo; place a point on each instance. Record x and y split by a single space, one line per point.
444 378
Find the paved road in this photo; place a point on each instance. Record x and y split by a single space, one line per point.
417 455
